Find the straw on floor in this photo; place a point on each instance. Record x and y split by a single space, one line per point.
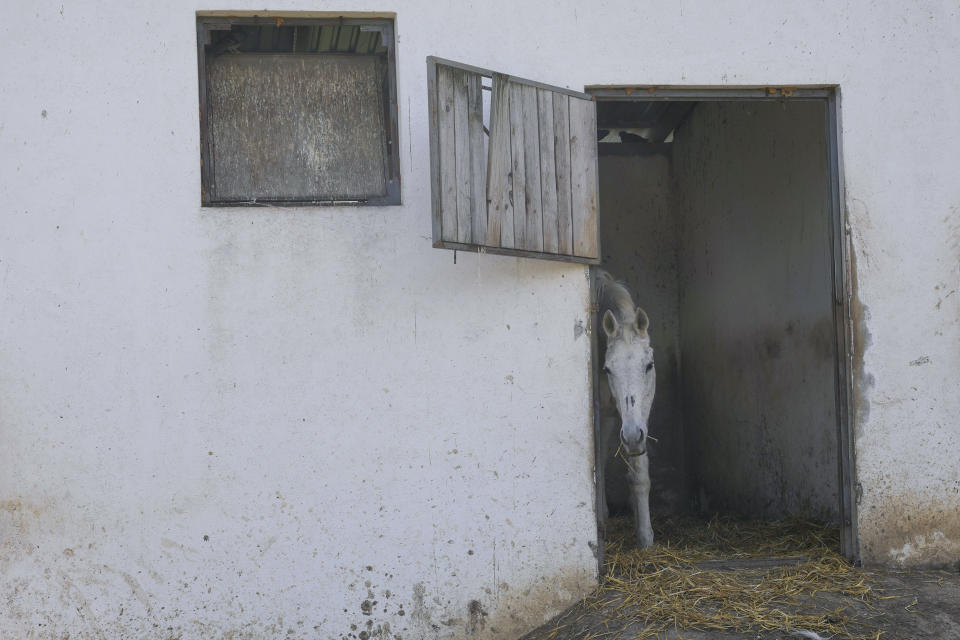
677 585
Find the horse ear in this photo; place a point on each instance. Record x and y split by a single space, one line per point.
610 325
641 321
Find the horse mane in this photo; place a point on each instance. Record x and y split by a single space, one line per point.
614 295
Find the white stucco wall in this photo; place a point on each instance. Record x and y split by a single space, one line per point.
258 420
332 402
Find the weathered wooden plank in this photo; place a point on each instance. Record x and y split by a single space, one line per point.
548 170
533 221
530 188
499 166
434 129
478 163
363 41
518 165
561 128
301 39
448 150
518 253
345 37
513 79
461 134
265 35
327 34
583 177
285 37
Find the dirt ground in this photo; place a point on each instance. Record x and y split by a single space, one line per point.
857 603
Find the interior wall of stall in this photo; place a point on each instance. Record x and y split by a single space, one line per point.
725 243
758 350
639 236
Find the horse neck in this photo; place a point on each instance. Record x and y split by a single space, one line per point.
616 297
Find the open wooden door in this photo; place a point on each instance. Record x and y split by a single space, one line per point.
524 186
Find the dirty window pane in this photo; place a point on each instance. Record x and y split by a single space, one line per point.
296 127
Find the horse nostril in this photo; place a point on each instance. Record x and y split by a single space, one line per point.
635 442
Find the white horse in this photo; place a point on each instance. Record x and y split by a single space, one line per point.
626 394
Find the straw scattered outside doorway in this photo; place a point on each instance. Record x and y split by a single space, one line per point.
724 579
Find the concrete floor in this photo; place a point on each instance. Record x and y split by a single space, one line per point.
927 606
758 557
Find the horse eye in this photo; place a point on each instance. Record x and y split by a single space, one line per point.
606 369
649 366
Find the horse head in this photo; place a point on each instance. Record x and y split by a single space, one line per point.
631 376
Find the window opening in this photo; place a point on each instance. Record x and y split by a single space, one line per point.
298 111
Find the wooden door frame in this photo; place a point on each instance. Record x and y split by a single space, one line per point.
840 250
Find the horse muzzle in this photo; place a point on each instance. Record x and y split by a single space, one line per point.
633 449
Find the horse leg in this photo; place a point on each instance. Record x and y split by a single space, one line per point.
640 497
602 510
609 427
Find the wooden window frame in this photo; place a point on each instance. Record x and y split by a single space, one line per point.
385 26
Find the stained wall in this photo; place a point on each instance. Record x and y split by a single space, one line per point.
223 422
